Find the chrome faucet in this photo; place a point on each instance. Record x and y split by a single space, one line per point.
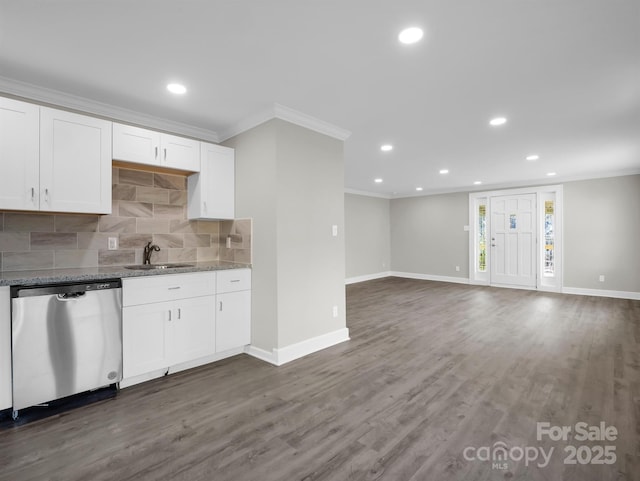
148 250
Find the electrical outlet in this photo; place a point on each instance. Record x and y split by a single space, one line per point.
113 243
601 278
334 230
335 311
457 268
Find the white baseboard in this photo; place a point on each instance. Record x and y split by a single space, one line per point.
367 277
601 293
286 354
429 277
262 354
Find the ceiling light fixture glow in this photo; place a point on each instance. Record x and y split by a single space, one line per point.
498 121
444 171
377 181
410 35
419 189
550 174
386 147
477 182
177 89
533 157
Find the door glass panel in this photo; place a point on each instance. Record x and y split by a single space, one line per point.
482 238
549 261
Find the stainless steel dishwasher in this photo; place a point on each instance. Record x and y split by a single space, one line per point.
66 339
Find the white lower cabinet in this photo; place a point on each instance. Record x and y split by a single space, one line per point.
233 320
162 334
5 348
177 321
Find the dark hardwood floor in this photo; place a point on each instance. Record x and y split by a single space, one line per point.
432 369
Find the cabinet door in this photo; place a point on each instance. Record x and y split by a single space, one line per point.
75 163
180 153
133 144
233 320
212 191
19 155
5 348
191 330
144 338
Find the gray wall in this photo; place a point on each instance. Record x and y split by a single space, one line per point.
367 235
256 194
427 235
311 262
290 180
602 233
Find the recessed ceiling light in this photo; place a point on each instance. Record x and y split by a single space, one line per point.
410 35
377 181
386 147
551 174
177 89
477 182
418 189
498 121
533 157
444 171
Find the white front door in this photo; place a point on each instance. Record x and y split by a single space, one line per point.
513 240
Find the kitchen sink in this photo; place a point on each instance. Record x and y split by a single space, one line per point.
151 267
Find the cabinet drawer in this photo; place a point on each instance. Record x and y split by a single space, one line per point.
144 290
233 280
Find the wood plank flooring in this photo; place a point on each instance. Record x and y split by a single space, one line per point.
432 368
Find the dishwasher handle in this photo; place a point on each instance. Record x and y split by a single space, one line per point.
70 296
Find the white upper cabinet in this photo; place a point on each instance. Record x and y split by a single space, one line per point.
180 153
53 160
134 144
212 191
19 155
75 162
142 146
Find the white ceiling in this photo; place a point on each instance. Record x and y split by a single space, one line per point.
565 73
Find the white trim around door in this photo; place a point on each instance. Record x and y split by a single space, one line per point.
548 243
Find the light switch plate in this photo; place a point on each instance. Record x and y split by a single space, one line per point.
113 243
334 230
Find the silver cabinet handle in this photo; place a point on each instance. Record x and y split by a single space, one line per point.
165 154
156 152
235 280
33 194
46 196
179 313
220 306
204 207
173 288
170 315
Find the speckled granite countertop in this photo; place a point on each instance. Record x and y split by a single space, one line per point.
29 278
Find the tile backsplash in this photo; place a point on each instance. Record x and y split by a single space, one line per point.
147 207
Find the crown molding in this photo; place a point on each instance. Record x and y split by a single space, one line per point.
367 194
278 111
524 183
64 100
247 123
311 123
